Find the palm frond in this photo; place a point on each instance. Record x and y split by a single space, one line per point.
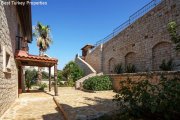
42 34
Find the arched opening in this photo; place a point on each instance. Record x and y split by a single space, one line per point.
130 58
161 51
112 63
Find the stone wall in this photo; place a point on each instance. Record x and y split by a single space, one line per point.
8 81
153 77
84 66
145 43
88 71
94 58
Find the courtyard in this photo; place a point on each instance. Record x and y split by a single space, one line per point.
33 106
58 66
72 104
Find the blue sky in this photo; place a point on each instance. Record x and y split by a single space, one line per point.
75 23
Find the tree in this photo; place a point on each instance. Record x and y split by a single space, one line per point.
42 34
175 37
72 71
59 76
45 75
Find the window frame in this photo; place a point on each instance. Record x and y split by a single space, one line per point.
6 61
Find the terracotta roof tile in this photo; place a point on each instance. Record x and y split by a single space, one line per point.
24 55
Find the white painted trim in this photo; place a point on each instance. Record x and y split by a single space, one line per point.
6 69
89 66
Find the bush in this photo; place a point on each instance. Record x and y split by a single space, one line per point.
143 100
98 83
69 83
118 68
42 86
167 66
130 68
59 77
173 32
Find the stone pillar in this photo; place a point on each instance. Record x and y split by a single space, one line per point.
55 80
49 79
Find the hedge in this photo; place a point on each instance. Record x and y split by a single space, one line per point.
98 83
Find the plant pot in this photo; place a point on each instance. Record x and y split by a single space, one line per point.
19 91
27 90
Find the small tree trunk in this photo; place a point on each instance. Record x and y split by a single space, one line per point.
40 69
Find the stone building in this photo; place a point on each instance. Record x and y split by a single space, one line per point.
143 40
15 34
13 27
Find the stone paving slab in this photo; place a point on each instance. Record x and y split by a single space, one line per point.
79 105
34 106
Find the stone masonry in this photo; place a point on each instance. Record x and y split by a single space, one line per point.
152 77
88 71
94 58
8 81
145 43
84 66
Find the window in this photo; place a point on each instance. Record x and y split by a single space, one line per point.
18 42
6 60
18 38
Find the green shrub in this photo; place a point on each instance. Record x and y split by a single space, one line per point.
143 100
42 86
98 83
118 68
69 83
130 68
59 77
173 32
167 66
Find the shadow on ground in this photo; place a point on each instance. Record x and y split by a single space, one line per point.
53 116
91 108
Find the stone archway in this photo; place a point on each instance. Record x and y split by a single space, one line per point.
112 63
161 51
130 58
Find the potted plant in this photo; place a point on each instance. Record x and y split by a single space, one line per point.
28 85
30 76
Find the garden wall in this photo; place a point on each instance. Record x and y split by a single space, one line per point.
153 77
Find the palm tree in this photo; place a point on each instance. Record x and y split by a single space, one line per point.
42 34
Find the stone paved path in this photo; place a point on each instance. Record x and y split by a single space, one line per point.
34 106
79 105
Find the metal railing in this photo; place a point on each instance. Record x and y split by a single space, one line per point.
131 20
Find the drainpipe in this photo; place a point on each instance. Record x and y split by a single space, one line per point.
101 64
